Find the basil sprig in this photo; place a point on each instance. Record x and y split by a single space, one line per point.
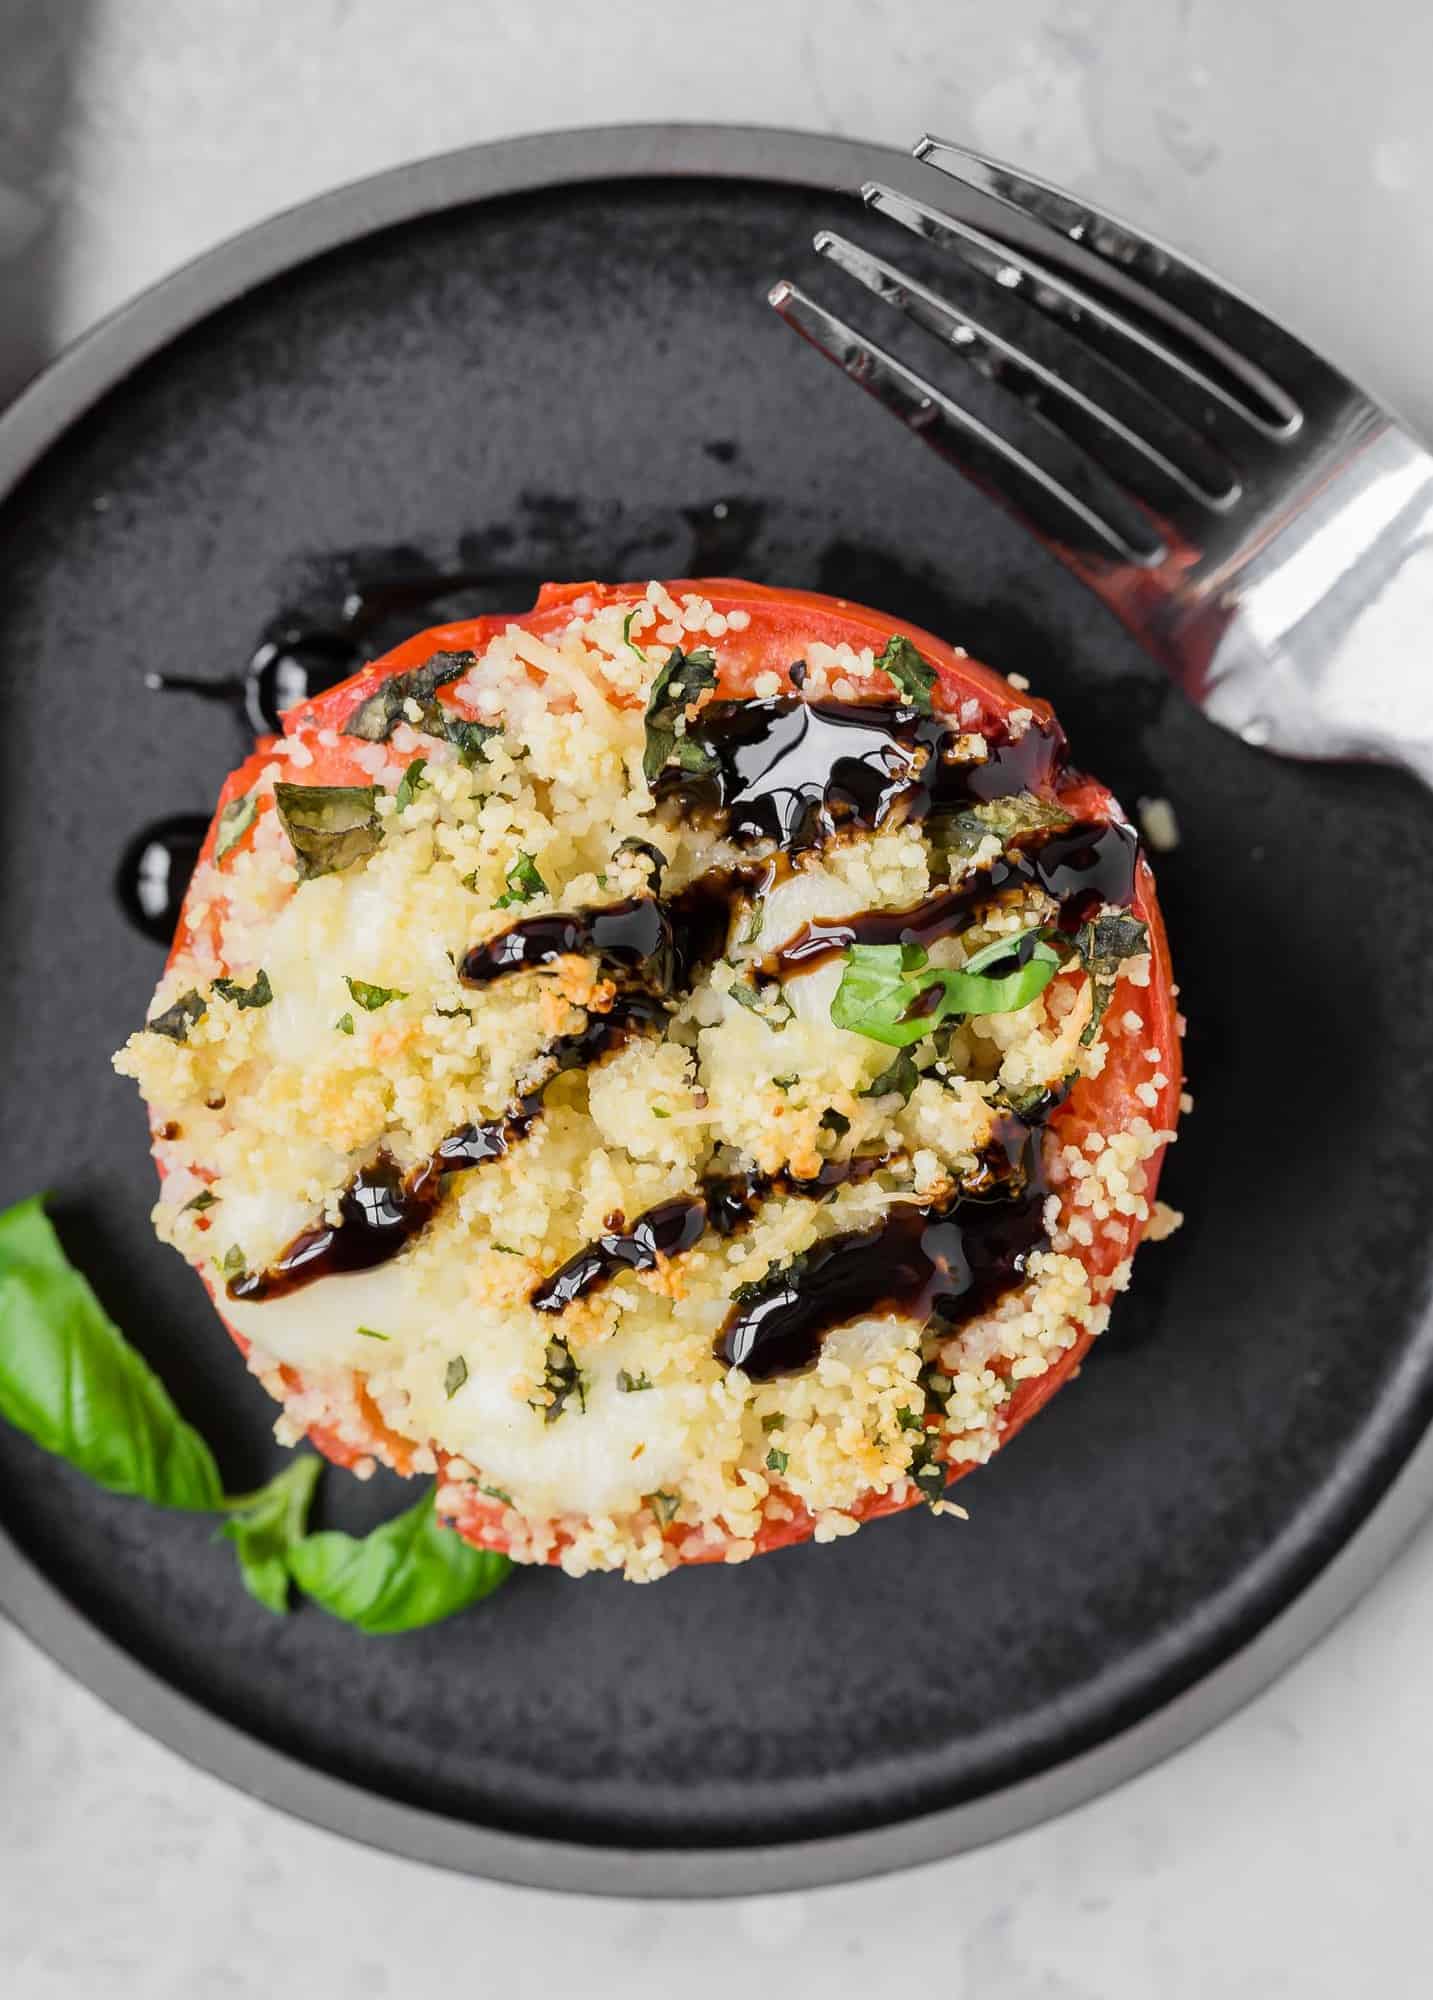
70 1380
331 826
410 1572
684 677
72 1383
890 993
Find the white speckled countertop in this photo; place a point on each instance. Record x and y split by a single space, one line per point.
1286 142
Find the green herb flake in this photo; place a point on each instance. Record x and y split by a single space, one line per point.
264 1527
467 738
371 1333
786 1082
664 1506
773 1422
777 1461
331 827
71 1382
454 1013
684 678
889 993
456 1376
914 677
411 1572
1103 946
257 995
176 1021
630 1384
927 1469
371 998
206 1198
628 640
233 1262
344 1024
756 917
507 1250
899 1080
523 883
562 1379
497 1493
376 717
410 784
910 1420
659 1112
234 822
834 1121
960 834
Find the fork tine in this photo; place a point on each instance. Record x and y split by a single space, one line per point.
1153 364
1019 481
1198 473
1195 305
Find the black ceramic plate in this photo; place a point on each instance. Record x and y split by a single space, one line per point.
555 358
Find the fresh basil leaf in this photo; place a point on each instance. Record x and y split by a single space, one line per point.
71 1382
562 1379
523 882
257 995
265 1526
889 994
1103 946
664 1506
456 1376
770 1002
344 1024
926 1469
902 1077
376 718
234 822
176 1021
960 834
331 826
684 677
777 1461
832 1120
467 737
371 998
630 1384
233 1263
409 1573
410 784
914 677
205 1198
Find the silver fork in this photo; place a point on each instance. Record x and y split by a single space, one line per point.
1262 526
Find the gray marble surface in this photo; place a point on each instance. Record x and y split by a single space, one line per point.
1286 142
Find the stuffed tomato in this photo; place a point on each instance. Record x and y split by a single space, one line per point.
688 1067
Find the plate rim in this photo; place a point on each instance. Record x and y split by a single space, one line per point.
91 368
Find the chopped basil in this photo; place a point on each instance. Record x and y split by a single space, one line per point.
902 1077
777 1461
659 1112
471 881
73 1384
664 1506
344 1024
371 1333
960 834
628 640
630 1384
785 1082
756 916
331 826
410 1572
684 677
176 1021
452 1013
523 883
773 1422
890 993
507 1250
232 1264
466 737
910 1420
1103 946
456 1376
562 1379
832 1120
410 784
653 854
234 822
371 998
912 675
497 1493
376 718
205 1198
257 995
926 1469
265 1526
768 1001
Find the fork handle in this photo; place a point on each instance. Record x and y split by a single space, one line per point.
1320 644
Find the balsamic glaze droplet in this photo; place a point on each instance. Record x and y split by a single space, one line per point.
292 665
154 873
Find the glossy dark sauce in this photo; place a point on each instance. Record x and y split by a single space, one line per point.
923 1263
154 872
381 1210
725 1203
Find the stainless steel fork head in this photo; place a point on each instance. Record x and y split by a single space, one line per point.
1260 524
